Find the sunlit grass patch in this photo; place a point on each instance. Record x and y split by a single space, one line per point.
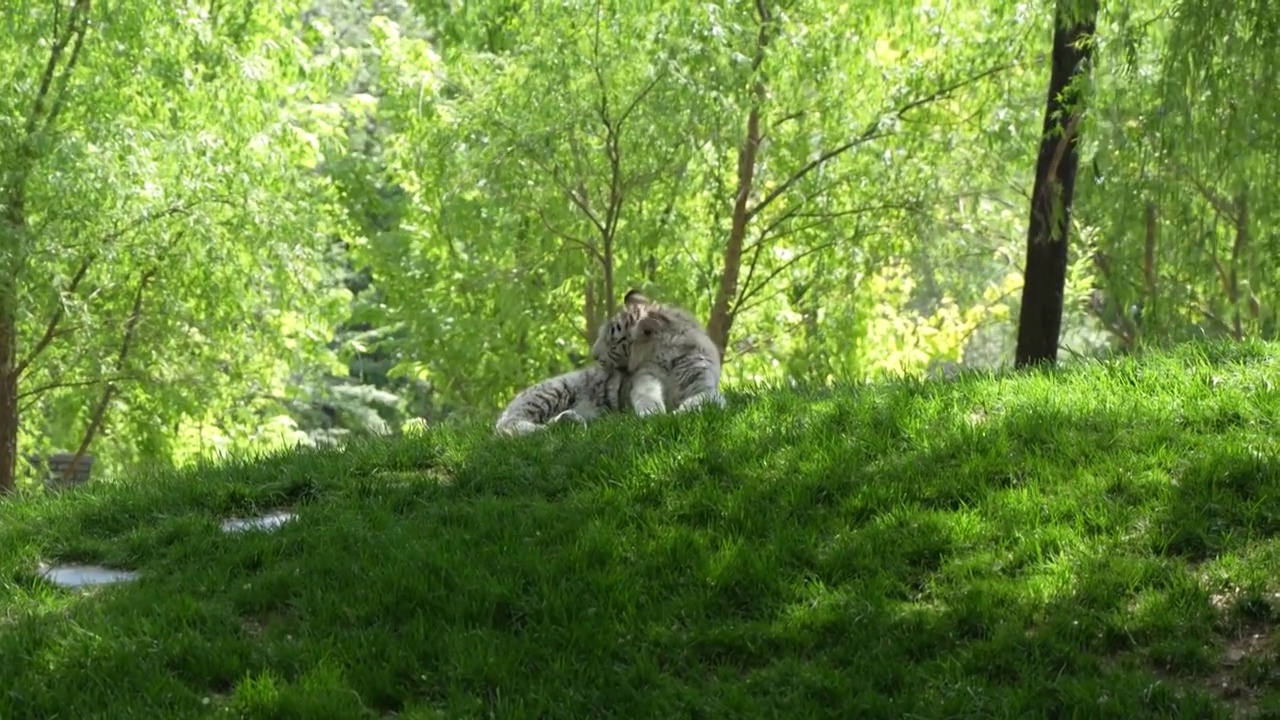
1099 541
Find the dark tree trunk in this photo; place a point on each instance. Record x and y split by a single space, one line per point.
13 225
8 403
1045 272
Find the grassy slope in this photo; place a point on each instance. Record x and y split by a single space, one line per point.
1103 543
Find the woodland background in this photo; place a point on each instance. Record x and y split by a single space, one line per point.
230 224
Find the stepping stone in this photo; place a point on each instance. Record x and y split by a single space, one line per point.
77 576
267 522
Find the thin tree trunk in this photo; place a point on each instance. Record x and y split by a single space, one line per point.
1147 308
590 311
100 412
1149 253
607 301
1045 273
1238 249
12 247
8 390
41 118
721 320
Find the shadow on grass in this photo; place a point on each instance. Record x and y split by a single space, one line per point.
1020 547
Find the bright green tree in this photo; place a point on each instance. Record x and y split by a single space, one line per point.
163 230
760 165
1186 155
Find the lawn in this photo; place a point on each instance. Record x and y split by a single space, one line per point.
1100 541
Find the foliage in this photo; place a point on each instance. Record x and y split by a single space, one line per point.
1185 156
596 151
184 153
906 548
362 213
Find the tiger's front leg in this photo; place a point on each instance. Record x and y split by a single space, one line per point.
646 394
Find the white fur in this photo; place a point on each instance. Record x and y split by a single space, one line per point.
670 357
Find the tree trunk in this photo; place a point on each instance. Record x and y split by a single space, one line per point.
1045 272
1238 250
8 395
720 321
590 311
12 239
100 412
44 111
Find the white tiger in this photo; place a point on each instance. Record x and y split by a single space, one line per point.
577 396
666 351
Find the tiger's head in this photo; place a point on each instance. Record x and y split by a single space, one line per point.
612 348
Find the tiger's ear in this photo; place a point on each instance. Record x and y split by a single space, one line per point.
635 297
650 325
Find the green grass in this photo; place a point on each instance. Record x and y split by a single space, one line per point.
1098 542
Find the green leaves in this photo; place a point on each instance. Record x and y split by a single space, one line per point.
594 150
183 149
1183 154
445 203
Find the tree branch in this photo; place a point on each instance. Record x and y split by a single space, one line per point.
720 321
576 155
757 247
170 211
613 210
578 242
51 328
782 218
1220 204
1210 315
99 413
872 132
41 389
748 292
80 12
1238 250
146 218
613 153
50 68
825 218
1068 133
653 82
579 202
554 172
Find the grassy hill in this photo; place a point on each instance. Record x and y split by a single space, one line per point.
1098 542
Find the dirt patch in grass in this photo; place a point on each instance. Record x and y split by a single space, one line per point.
1249 660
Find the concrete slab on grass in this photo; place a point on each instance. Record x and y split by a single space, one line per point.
266 523
78 576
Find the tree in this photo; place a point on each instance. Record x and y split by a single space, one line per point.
1186 153
1040 314
163 233
750 162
